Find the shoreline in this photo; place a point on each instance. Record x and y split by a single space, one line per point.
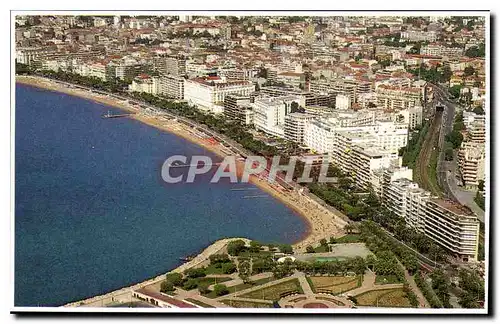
321 222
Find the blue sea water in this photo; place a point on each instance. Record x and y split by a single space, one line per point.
92 213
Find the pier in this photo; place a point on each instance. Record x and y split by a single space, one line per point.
110 115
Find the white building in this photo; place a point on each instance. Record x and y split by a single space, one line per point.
269 114
365 159
411 116
471 163
342 102
295 126
171 86
209 93
447 223
145 83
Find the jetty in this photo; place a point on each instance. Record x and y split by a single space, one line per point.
110 115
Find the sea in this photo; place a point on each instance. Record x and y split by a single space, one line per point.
92 213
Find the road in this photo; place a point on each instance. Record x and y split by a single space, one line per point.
447 170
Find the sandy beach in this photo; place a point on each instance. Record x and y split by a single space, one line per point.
322 222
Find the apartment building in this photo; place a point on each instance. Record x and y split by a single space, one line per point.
238 108
470 118
365 159
440 50
398 98
454 227
175 65
209 93
411 116
270 112
342 102
476 132
145 83
471 163
397 197
172 87
381 178
447 223
295 126
419 36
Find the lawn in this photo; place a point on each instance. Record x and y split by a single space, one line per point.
384 298
389 279
349 238
274 292
246 304
212 269
335 285
199 303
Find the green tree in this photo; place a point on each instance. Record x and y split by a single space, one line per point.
448 154
309 249
286 248
166 286
469 70
455 91
221 290
235 247
203 288
228 268
480 186
255 246
478 110
190 284
195 272
174 278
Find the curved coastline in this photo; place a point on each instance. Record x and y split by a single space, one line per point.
321 222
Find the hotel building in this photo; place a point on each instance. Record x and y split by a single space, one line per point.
209 93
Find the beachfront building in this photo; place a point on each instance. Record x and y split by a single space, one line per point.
270 112
447 223
209 93
453 226
381 178
175 65
295 126
145 83
365 159
238 108
172 86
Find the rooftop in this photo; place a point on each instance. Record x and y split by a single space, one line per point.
164 298
453 206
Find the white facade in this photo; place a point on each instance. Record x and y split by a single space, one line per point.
295 126
145 84
209 94
342 102
269 114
